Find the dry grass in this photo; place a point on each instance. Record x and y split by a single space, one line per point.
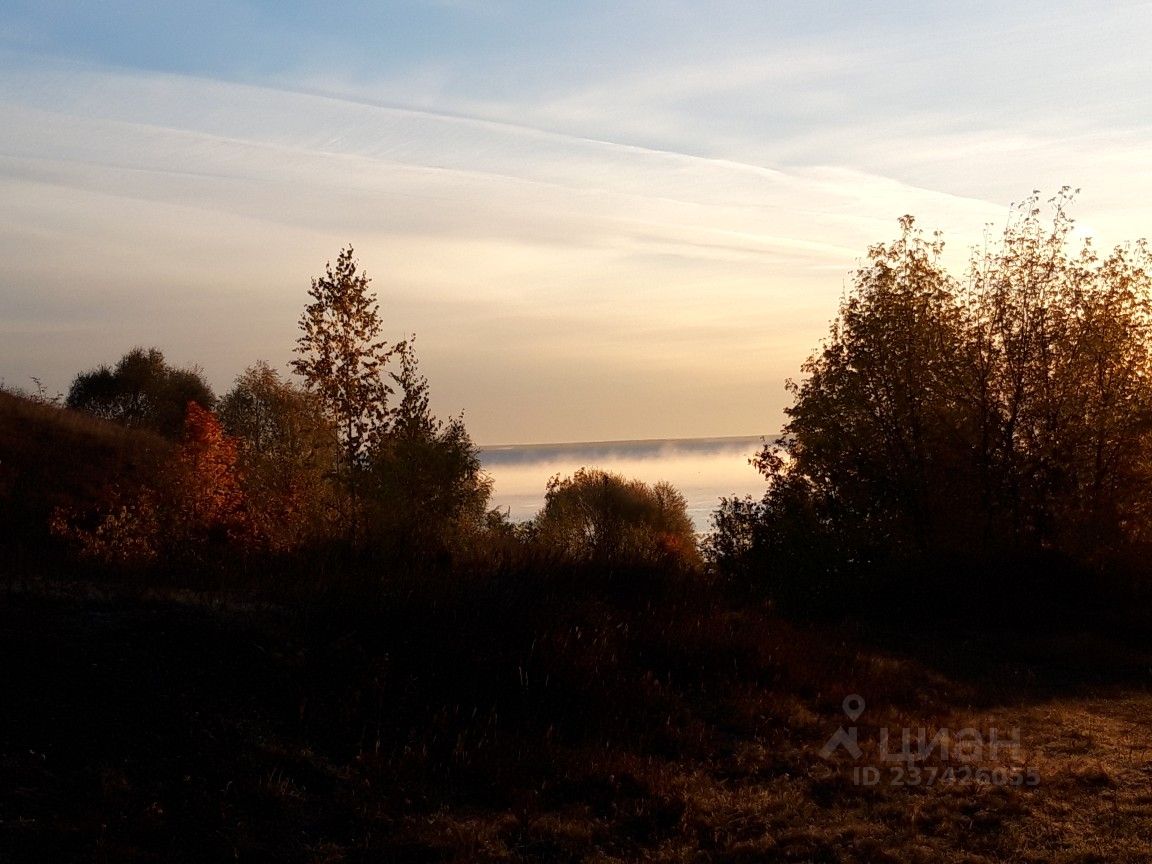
1093 805
173 731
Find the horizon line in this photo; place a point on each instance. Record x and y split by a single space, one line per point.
618 441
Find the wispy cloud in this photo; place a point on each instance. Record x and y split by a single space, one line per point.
610 234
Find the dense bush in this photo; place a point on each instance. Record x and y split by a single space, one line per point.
288 455
194 513
142 391
602 517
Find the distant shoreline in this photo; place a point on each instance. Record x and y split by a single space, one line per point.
731 440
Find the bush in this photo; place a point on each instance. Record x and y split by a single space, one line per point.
194 514
142 391
288 455
602 517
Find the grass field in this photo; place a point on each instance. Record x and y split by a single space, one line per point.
177 730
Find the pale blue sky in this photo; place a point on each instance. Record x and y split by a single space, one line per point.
603 220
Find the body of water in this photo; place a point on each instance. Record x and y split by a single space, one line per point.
703 469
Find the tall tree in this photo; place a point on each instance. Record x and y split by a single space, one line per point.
430 489
1006 417
342 360
1061 344
874 420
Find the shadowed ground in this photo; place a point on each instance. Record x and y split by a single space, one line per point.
170 731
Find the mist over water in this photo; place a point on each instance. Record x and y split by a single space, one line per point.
703 469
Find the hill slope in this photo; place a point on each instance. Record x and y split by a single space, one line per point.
52 457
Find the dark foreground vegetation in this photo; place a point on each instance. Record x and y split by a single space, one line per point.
283 625
542 721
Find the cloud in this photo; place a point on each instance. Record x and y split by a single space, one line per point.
562 285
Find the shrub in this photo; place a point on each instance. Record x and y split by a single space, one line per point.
602 517
142 391
194 513
288 453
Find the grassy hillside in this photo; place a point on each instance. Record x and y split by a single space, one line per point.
52 457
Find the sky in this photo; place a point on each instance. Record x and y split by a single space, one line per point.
602 220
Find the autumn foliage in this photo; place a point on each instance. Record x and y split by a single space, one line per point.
956 439
287 451
196 510
210 506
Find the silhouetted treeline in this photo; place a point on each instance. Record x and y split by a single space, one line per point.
333 485
978 445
